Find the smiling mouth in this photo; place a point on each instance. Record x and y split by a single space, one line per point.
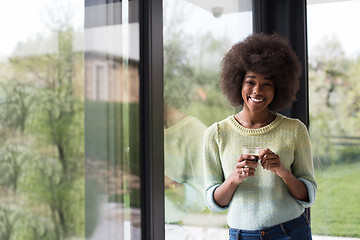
257 100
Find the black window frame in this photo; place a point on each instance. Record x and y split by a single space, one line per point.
151 120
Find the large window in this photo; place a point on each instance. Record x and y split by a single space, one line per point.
80 117
41 120
196 36
69 94
334 91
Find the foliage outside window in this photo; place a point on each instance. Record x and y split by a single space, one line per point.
334 86
41 137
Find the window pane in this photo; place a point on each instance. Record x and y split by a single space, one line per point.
334 51
196 36
112 185
41 120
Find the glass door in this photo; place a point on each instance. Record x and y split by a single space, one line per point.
112 116
334 91
196 34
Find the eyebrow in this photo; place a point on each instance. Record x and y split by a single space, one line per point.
251 76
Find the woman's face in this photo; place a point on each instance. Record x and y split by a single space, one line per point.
257 91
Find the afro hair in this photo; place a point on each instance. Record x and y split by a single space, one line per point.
269 55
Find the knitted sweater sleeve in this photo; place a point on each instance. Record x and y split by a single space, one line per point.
303 167
213 173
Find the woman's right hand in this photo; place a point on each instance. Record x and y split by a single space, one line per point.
245 167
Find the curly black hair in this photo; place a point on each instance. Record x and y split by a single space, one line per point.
269 55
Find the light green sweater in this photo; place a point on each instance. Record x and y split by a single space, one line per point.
263 200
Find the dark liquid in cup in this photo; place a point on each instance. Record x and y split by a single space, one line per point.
256 158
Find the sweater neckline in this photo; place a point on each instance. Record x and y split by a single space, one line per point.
250 131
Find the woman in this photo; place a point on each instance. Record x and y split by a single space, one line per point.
265 199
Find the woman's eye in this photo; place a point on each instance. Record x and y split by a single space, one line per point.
268 84
249 82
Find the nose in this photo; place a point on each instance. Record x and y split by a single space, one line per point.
257 89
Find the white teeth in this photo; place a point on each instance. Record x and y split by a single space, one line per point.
257 100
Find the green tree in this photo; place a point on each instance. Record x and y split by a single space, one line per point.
12 160
8 221
192 67
42 111
334 110
16 105
330 59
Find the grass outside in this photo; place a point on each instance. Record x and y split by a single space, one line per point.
336 211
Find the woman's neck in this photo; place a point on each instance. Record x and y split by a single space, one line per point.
254 120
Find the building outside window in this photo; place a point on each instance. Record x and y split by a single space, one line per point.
112 123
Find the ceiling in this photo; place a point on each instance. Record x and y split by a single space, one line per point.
228 6
225 6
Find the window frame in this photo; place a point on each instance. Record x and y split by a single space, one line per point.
151 120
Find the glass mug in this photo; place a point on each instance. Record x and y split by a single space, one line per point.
253 151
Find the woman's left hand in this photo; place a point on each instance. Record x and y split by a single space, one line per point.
271 161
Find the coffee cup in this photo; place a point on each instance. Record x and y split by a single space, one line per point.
253 151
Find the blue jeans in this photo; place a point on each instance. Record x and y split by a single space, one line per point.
296 229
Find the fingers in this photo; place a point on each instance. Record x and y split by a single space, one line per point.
265 151
269 160
245 172
245 166
246 175
271 164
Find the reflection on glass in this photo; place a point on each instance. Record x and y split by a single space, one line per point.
196 36
183 136
334 94
112 183
41 121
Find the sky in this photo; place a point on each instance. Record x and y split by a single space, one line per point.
24 19
339 20
19 23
